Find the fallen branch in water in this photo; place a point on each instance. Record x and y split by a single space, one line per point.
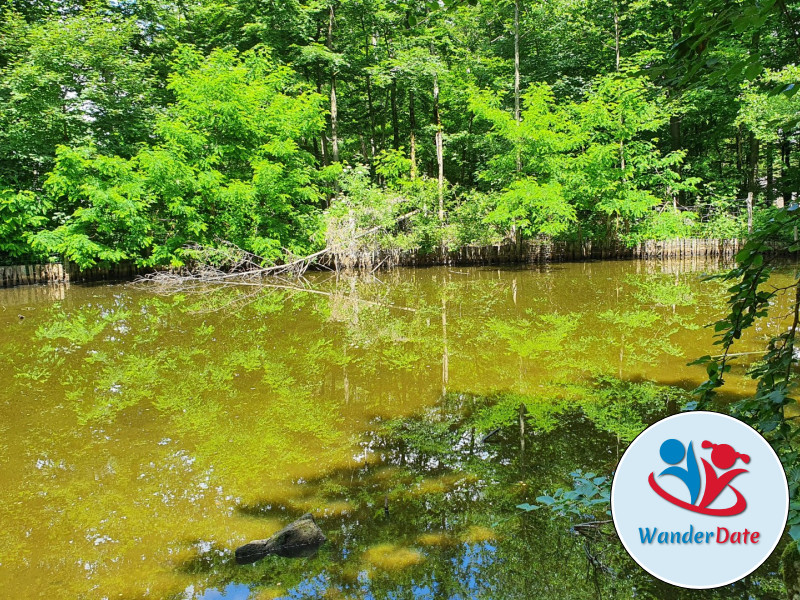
732 354
228 262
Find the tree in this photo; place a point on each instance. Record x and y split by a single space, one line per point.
230 165
78 81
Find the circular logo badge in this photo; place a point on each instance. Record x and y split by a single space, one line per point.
699 500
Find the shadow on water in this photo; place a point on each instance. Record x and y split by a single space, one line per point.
432 514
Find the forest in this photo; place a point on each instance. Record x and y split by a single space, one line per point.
138 130
457 429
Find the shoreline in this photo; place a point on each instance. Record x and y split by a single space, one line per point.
530 252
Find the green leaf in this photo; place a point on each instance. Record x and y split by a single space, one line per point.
743 254
794 532
753 70
776 396
700 361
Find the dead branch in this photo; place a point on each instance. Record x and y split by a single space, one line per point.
229 263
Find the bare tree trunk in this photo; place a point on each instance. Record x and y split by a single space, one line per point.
323 137
770 173
334 110
675 132
317 152
752 160
334 122
368 80
412 122
752 180
675 136
785 166
371 110
437 121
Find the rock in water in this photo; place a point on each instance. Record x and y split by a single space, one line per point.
299 539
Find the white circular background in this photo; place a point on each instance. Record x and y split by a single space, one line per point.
635 505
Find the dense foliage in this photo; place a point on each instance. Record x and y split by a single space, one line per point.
130 130
749 302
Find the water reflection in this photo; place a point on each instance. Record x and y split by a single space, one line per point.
145 436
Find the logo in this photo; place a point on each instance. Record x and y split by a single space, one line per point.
699 500
723 456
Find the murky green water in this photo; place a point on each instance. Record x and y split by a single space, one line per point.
143 437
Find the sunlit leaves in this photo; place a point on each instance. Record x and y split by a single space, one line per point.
20 214
535 209
228 166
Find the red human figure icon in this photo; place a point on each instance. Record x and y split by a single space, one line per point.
724 457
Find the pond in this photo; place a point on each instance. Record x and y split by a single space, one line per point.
144 435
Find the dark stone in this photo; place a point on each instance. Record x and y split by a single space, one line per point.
297 540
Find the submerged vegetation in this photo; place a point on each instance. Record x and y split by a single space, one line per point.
137 131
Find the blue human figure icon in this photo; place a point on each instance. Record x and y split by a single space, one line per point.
672 452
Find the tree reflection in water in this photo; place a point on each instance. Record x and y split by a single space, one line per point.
146 436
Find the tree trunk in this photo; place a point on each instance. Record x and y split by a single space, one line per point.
739 153
334 122
752 180
675 138
334 110
323 137
412 122
470 170
517 114
368 80
437 121
395 121
752 159
786 155
770 173
675 131
371 110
